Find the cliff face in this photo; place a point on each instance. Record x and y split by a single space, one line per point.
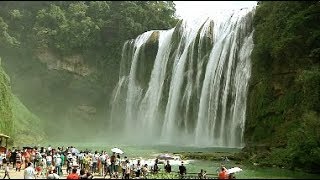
62 90
16 120
72 63
283 124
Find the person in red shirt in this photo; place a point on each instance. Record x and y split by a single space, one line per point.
223 174
73 175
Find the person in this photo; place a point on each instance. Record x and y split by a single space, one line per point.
73 175
123 166
205 175
155 166
62 161
145 170
127 172
57 162
182 170
138 169
29 172
18 161
200 174
94 162
53 175
89 175
113 161
1 160
232 176
83 174
167 167
223 174
6 171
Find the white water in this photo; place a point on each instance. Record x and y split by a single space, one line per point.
196 91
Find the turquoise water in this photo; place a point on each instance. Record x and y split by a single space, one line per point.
195 166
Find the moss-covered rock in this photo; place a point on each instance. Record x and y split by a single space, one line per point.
6 115
282 125
16 120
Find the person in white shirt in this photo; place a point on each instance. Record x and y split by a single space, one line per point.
1 160
53 175
29 172
57 162
49 160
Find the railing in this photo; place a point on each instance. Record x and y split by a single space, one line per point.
190 175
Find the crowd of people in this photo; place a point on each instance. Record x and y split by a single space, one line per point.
52 163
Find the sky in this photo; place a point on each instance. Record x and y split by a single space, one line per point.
189 9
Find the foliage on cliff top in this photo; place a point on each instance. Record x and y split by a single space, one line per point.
284 98
78 26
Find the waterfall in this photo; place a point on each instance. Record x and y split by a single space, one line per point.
187 85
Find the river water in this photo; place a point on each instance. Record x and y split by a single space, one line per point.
194 166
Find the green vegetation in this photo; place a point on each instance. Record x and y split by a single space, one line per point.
6 120
211 156
283 124
91 32
28 128
15 119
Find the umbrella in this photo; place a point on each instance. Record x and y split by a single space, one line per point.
234 170
75 151
117 150
165 156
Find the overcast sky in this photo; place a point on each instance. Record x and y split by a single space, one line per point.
189 9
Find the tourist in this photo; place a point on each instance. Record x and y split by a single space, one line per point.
123 166
155 166
29 172
57 162
127 171
1 160
200 174
94 162
43 164
73 175
62 160
89 175
232 176
83 174
223 174
69 163
205 175
182 170
113 161
145 170
53 175
138 169
167 167
6 171
12 158
18 161
49 159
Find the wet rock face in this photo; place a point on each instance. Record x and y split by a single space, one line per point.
74 63
146 60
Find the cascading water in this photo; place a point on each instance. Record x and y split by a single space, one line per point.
186 85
